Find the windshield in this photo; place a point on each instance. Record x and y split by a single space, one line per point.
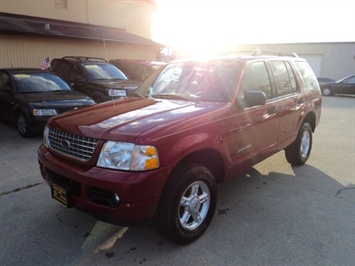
39 82
197 81
103 72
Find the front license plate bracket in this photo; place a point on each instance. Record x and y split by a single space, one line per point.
61 194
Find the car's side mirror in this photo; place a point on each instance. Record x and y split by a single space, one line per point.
5 88
255 97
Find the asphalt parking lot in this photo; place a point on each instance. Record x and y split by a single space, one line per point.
272 214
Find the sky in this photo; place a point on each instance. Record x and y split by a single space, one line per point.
198 26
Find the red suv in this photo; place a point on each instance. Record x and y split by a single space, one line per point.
157 156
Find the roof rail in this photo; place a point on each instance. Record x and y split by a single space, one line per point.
259 52
82 58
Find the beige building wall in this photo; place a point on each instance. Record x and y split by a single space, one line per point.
24 51
339 60
132 15
332 60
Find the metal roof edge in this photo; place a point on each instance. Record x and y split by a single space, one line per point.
46 27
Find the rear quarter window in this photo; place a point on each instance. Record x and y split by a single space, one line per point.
309 79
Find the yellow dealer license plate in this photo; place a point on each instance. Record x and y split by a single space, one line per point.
60 194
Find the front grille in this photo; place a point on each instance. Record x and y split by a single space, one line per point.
75 146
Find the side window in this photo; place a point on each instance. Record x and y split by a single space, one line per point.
290 72
351 80
256 78
308 76
4 78
62 70
75 73
284 78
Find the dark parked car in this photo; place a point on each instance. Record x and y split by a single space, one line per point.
343 86
323 81
138 70
158 157
29 97
94 76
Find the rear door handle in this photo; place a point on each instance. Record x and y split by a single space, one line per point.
301 100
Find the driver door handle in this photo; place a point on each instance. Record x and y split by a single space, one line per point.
272 110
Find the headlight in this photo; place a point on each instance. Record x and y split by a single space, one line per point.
121 93
44 112
127 156
45 136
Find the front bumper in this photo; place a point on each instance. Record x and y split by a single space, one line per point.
91 188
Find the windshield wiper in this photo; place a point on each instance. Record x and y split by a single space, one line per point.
27 92
100 79
170 96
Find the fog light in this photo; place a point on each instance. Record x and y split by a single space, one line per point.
115 200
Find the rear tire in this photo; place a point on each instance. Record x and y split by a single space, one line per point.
298 152
327 91
187 204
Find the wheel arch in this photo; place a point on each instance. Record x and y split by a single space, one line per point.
209 158
21 108
310 118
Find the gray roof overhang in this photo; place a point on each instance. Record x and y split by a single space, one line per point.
50 28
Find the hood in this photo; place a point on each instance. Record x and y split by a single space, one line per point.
116 84
55 99
125 119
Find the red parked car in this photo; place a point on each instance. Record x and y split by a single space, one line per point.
157 157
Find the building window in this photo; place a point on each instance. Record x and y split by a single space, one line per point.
61 4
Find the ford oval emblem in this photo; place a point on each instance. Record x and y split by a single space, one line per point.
65 144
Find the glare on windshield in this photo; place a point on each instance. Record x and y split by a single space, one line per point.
205 81
39 82
103 72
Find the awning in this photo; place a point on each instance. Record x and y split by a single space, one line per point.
27 25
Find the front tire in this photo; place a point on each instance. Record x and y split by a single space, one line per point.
298 152
23 125
187 204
